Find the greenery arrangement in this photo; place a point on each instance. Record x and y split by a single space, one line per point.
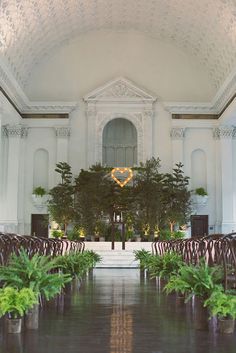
61 202
34 273
39 191
77 264
200 191
144 257
167 265
57 234
222 305
15 303
200 280
154 201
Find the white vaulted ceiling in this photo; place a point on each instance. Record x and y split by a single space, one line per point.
206 29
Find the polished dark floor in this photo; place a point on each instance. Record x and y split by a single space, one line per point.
116 311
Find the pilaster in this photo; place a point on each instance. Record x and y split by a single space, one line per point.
177 135
225 134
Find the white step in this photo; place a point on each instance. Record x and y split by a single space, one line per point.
117 258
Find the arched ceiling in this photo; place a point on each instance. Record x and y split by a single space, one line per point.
206 29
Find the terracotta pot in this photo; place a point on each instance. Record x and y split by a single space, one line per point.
32 318
14 325
226 326
200 315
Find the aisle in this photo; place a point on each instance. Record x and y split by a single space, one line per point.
117 312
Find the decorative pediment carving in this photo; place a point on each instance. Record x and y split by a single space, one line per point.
119 89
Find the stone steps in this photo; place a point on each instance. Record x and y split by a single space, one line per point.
117 258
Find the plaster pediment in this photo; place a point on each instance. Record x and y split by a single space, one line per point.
119 90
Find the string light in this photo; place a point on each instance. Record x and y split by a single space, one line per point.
122 171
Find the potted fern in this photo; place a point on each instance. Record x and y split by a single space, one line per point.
15 303
24 272
200 197
39 197
223 306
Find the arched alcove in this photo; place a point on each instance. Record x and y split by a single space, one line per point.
41 166
119 143
198 169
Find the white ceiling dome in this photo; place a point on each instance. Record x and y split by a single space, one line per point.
206 29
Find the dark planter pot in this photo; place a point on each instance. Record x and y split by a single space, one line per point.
32 318
180 298
14 325
226 326
200 315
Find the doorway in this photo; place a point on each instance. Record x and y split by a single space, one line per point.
199 225
39 225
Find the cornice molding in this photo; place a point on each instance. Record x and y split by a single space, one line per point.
118 89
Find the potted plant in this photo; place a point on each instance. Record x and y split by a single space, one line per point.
25 272
39 197
223 305
200 197
15 303
198 281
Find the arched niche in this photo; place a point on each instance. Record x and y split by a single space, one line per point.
119 143
119 98
41 167
198 169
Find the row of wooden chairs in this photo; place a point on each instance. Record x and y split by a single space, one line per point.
12 243
216 249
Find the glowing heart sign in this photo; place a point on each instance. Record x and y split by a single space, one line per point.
116 172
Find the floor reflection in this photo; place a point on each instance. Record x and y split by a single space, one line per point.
116 311
121 340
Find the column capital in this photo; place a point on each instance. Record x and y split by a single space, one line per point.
224 132
177 133
62 131
16 130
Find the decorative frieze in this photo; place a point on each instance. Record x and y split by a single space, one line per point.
63 132
177 133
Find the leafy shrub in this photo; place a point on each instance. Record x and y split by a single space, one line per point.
167 265
200 280
144 257
200 191
23 272
77 264
57 234
16 302
39 191
221 304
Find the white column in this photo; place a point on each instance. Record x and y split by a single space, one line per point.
218 182
147 133
177 136
62 134
94 153
226 149
14 133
